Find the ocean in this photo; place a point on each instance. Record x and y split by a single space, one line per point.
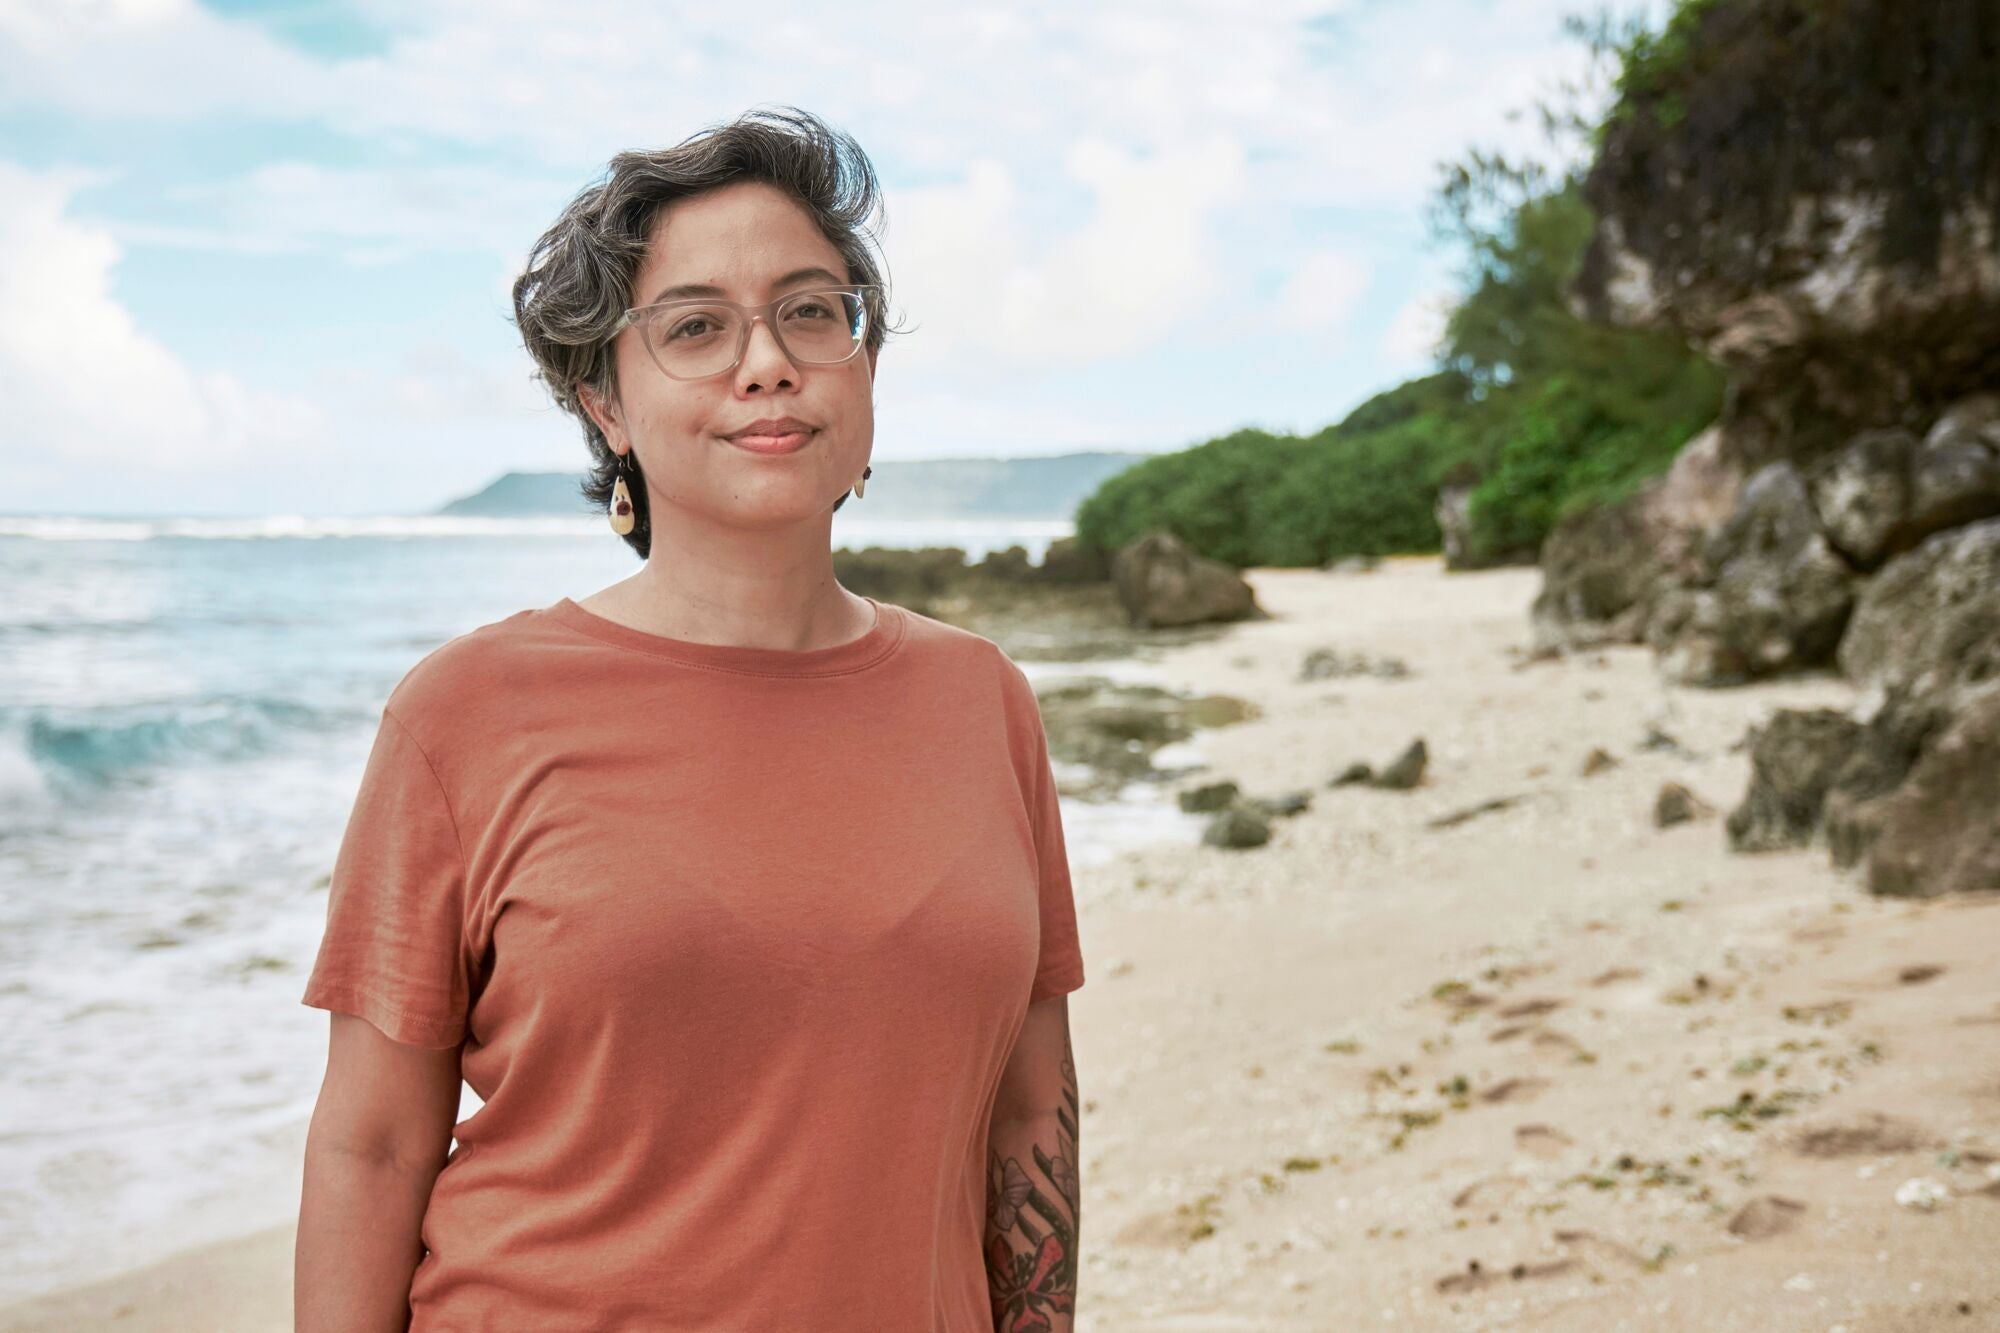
185 708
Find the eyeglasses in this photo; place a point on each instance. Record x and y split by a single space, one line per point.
703 336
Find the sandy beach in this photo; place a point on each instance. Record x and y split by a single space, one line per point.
1549 1067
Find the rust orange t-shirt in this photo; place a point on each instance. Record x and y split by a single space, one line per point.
736 942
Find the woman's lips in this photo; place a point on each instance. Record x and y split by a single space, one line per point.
772 444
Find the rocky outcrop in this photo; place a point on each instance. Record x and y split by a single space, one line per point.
1454 519
1853 294
1873 787
1929 622
1850 286
1887 490
1840 338
1770 586
1772 594
1938 832
1161 582
1069 560
1605 571
1795 758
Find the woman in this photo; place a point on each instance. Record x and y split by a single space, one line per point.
740 900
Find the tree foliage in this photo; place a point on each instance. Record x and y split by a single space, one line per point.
1543 412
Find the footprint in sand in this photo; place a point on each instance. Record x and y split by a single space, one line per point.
1476 1275
1616 974
1514 1090
1529 1008
1592 1250
1488 1193
1867 1134
1541 1140
1545 1040
1766 1215
1604 1247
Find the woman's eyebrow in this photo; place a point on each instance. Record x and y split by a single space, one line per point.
797 275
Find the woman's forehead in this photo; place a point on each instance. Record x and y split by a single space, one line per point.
746 233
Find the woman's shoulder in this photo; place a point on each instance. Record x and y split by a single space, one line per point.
962 654
952 645
468 671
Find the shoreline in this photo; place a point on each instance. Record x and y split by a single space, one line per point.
1481 1076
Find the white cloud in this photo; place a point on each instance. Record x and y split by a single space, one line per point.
1416 330
975 280
436 383
1321 292
165 59
363 215
81 379
1357 116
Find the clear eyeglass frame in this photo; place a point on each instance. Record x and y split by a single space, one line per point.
639 314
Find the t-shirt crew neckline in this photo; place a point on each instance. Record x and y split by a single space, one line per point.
841 658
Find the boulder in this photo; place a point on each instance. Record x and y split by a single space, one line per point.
1774 596
1161 583
1887 490
1208 798
1605 569
1937 832
1794 758
1893 737
1823 767
1929 621
1407 769
1068 560
1284 805
1677 805
1237 827
1597 568
1862 495
1955 479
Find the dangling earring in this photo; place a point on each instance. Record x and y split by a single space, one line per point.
620 509
862 484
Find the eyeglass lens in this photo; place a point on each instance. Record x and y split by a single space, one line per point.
815 328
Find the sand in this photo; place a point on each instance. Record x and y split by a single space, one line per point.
1550 1068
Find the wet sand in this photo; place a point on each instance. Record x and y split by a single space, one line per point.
1549 1067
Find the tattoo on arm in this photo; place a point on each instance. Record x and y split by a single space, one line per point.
1031 1224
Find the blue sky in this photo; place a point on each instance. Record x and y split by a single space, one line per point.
255 257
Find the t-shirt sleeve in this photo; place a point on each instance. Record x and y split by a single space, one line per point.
393 949
1060 966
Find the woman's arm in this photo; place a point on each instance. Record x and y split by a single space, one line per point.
378 1139
1033 1190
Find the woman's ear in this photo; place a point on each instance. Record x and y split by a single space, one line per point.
605 415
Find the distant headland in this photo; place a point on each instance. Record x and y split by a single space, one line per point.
1042 486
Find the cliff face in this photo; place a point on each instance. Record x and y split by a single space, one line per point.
1809 192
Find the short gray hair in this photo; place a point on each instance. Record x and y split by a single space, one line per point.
578 279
